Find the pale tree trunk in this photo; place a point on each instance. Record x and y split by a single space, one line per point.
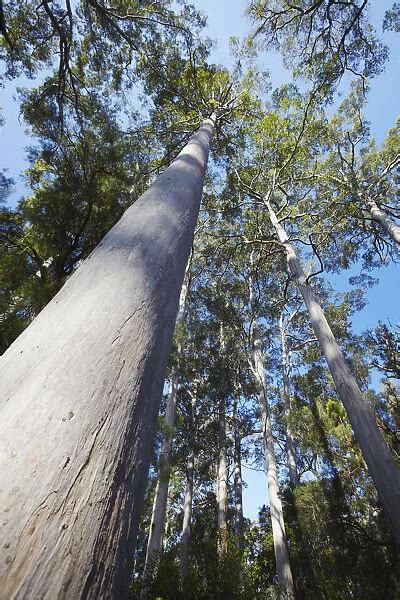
284 572
79 398
290 444
188 501
157 526
222 468
222 484
238 482
383 218
380 462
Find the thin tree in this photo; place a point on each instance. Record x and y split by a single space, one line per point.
188 500
381 464
284 572
290 444
157 525
238 481
222 467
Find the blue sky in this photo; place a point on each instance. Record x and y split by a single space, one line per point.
226 18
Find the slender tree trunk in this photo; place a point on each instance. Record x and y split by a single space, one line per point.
222 484
387 223
380 462
188 502
222 469
238 482
290 445
157 526
284 572
80 393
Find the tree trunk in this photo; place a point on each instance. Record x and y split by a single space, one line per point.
157 526
222 469
387 223
284 572
380 462
238 482
80 393
222 484
188 502
290 445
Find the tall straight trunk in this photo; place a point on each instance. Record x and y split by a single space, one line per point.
188 501
222 483
238 482
383 218
222 468
157 526
290 445
80 393
284 572
380 462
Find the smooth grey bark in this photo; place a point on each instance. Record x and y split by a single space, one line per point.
283 569
222 467
238 482
383 218
157 526
79 398
290 444
188 501
380 462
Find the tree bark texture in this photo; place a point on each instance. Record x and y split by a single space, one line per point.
79 398
290 444
157 526
284 572
380 462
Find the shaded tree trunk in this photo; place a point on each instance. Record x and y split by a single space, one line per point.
238 482
188 501
157 525
380 462
79 397
290 444
284 572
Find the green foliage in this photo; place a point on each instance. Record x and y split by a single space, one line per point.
320 40
336 555
392 18
210 577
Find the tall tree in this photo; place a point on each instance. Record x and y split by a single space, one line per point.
278 525
127 289
188 501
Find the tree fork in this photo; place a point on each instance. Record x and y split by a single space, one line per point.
80 393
